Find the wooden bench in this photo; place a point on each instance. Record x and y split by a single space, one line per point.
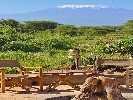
10 78
125 63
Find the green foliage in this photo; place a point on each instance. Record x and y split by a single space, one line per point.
32 26
6 29
99 30
122 47
58 42
129 23
67 30
10 22
50 43
10 70
128 27
125 46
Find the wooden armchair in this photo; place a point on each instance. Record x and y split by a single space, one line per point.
14 80
3 65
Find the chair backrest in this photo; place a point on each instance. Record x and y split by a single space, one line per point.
116 62
9 63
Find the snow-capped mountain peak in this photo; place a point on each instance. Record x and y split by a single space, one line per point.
84 6
79 15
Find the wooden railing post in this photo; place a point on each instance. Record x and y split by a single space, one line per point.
40 79
127 78
2 80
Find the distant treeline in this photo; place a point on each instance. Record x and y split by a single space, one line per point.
35 26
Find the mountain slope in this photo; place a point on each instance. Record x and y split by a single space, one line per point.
79 15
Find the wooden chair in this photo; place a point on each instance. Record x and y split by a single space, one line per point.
3 65
23 79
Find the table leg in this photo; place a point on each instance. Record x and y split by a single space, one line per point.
52 85
60 80
127 78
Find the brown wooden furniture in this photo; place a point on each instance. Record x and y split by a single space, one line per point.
37 75
62 76
116 62
7 63
125 63
129 76
16 80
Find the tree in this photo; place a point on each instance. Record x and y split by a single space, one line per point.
128 27
10 22
67 30
40 25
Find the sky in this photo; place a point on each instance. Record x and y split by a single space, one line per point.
24 6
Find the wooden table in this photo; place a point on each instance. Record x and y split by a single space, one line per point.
62 76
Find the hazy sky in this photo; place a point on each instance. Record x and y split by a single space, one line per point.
22 6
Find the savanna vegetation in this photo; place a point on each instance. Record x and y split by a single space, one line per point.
47 43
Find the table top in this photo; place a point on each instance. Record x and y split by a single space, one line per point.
63 71
15 76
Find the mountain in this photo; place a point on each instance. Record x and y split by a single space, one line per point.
79 15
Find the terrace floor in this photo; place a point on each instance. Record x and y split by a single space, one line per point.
61 90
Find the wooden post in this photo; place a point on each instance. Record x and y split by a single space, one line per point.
2 80
40 79
21 70
127 78
22 80
94 69
77 63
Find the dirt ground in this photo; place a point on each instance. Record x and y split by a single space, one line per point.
20 94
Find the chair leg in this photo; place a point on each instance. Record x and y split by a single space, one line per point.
127 78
